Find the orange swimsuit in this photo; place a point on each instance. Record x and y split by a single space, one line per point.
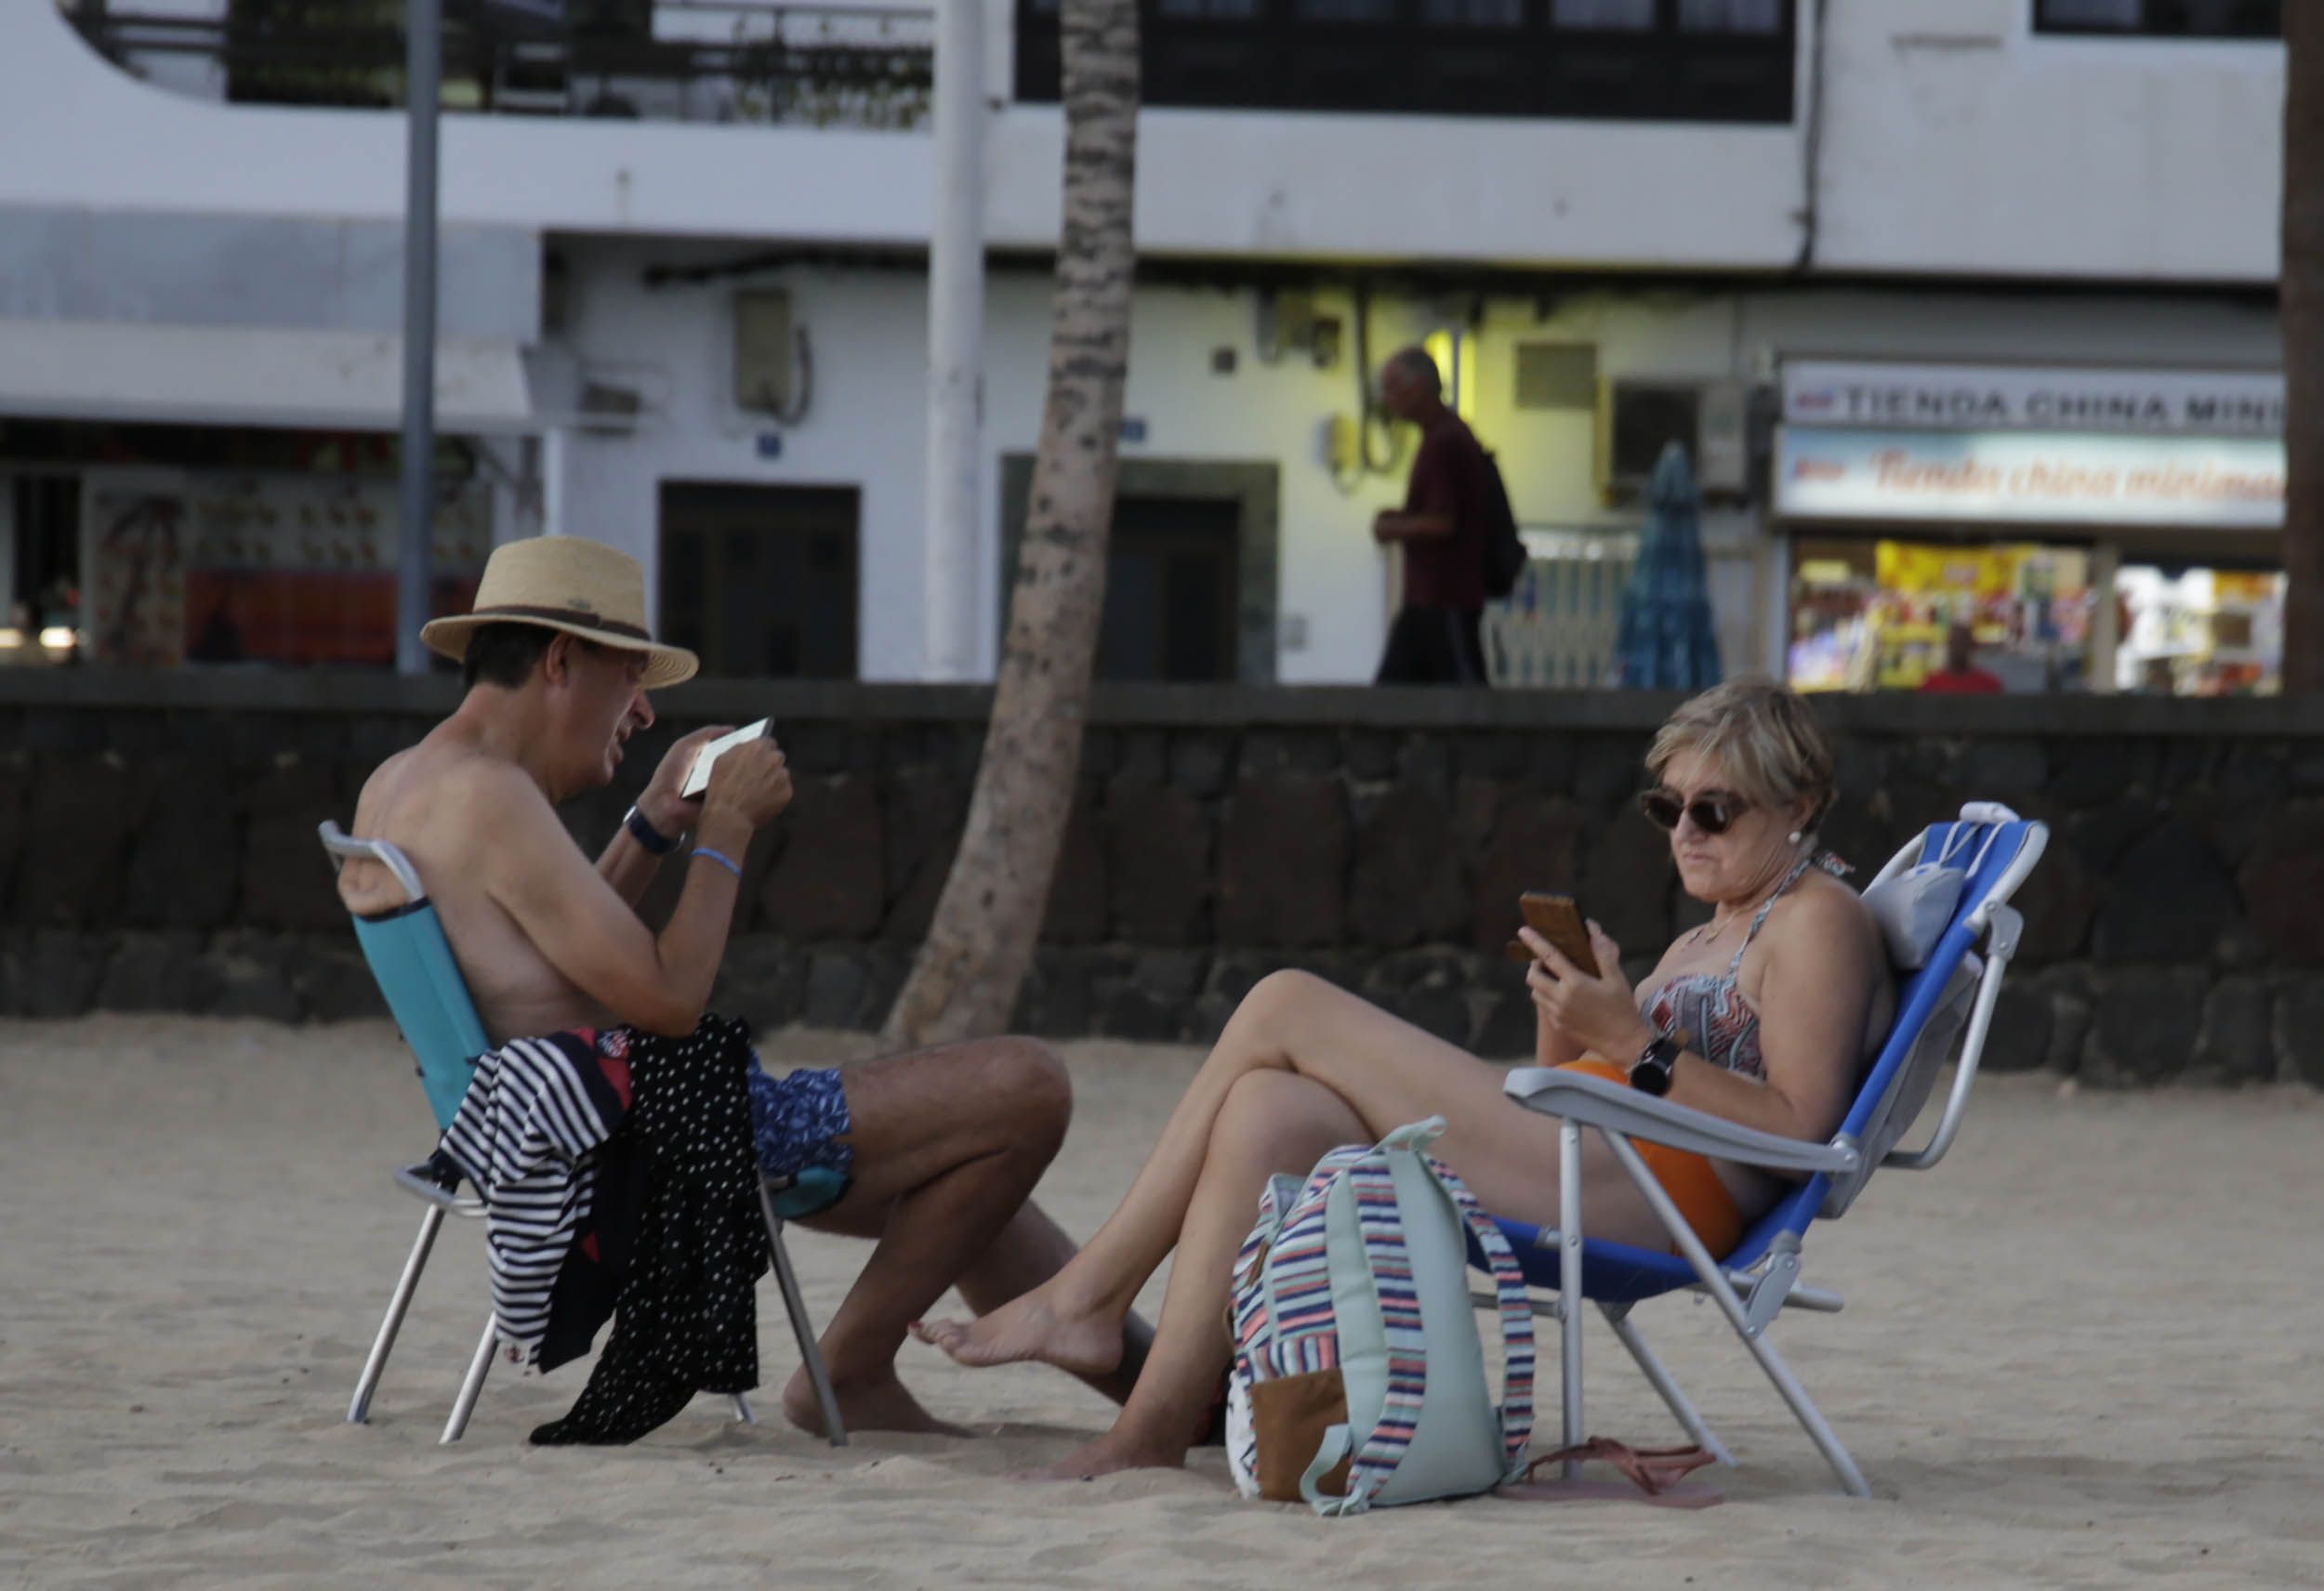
1691 1180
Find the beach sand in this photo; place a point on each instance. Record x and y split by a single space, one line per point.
2084 1351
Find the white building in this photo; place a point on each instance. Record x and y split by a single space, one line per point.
1943 277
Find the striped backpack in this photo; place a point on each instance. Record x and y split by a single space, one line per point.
1358 1378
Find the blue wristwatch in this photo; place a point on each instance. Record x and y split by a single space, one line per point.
646 834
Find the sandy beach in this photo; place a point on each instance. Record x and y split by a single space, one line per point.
2083 1352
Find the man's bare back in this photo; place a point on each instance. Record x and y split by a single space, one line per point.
432 802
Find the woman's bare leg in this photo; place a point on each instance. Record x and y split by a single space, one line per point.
1387 1071
1270 1121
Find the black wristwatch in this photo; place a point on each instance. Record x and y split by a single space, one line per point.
645 833
1650 1073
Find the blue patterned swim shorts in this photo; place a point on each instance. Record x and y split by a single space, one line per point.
796 1122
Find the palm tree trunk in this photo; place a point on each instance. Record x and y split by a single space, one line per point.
965 980
2302 305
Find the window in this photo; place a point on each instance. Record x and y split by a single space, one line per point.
1170 590
760 581
1704 60
2167 19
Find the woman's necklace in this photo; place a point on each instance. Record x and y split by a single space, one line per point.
1708 932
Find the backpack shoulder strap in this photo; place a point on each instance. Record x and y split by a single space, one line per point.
1516 1316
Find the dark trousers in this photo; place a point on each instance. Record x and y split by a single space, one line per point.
1433 646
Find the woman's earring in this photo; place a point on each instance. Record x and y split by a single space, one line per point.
1795 836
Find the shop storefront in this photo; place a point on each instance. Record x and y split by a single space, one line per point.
2090 530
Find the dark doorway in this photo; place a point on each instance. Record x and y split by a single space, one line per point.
761 581
1170 590
1190 570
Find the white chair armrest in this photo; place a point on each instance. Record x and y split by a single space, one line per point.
1596 1102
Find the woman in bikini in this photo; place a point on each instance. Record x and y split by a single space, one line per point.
1770 1009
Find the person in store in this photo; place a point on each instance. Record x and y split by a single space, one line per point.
1961 676
1436 637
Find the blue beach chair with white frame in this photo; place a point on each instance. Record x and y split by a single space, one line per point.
412 961
1761 1279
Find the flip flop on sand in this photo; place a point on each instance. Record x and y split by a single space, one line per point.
1652 1472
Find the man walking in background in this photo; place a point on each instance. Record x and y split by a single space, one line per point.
1441 527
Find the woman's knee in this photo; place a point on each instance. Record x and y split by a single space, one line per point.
1281 1120
1278 1000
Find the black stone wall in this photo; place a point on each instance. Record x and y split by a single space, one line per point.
157 852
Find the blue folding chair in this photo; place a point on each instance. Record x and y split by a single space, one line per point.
1761 1277
412 961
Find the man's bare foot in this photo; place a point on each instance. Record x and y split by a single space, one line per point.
1033 1328
881 1405
1108 1455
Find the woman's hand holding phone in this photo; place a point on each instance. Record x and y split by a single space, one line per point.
1597 1010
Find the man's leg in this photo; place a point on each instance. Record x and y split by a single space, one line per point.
949 1144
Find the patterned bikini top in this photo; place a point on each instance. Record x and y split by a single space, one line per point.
1723 1028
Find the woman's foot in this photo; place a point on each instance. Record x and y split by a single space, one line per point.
881 1405
1110 1455
1033 1327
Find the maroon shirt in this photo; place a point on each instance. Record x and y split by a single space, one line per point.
1448 479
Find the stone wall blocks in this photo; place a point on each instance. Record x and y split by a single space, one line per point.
1201 763
2283 884
52 972
2297 1029
2023 1020
2005 770
1408 885
2168 900
762 981
150 972
2146 1021
1079 899
1608 772
1283 859
828 880
837 988
248 974
1425 761
2237 1045
81 821
1158 848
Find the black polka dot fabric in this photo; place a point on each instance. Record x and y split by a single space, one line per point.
686 1319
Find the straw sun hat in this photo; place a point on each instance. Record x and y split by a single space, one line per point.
570 584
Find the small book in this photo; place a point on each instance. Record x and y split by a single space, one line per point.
698 776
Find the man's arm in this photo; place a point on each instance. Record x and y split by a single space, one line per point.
1429 511
585 930
625 864
1394 525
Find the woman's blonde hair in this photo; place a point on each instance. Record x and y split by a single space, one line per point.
1762 734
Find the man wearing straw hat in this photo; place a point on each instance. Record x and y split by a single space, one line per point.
940 1148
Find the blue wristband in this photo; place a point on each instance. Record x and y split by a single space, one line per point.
723 860
655 842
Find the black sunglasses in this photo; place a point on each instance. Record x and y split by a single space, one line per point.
1712 814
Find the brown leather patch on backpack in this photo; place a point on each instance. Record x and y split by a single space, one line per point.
1288 1416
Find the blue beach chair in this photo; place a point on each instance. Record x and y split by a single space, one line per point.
1761 1279
413 963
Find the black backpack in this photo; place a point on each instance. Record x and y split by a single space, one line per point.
1504 549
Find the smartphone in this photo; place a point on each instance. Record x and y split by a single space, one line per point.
1555 918
698 776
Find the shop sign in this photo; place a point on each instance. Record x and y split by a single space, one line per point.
2021 478
2004 398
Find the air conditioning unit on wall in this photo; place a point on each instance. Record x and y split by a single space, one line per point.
1639 416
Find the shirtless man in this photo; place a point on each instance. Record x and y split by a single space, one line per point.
942 1146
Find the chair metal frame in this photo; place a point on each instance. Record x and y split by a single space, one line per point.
341 849
1750 1295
